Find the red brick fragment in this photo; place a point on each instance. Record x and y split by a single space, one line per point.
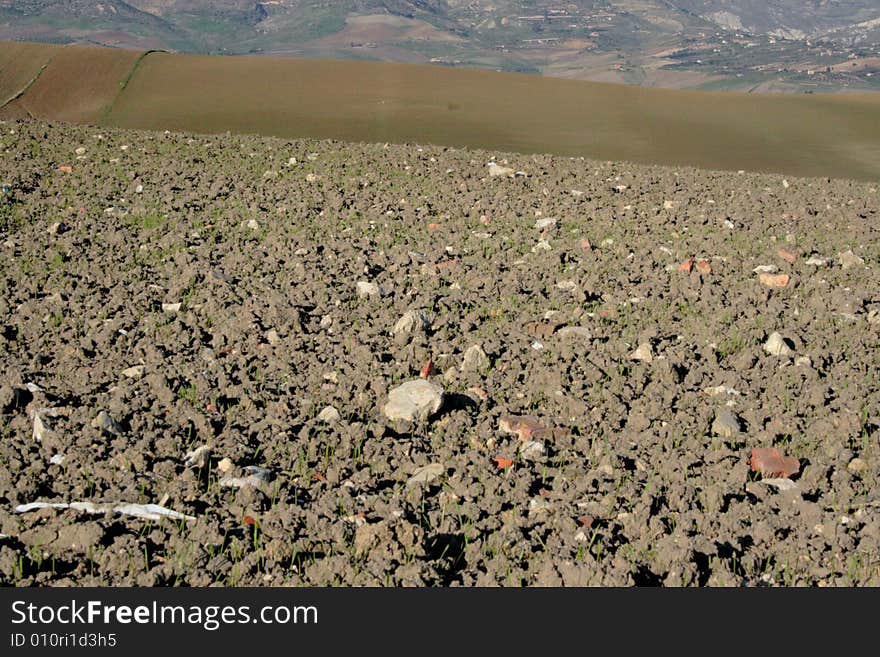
771 463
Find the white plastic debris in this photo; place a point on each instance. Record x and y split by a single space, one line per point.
147 511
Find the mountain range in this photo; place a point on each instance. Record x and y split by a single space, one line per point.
745 45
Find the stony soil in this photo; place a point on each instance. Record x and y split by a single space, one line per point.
640 470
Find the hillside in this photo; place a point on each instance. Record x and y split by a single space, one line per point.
774 45
812 135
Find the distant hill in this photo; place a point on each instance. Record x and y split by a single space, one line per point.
747 45
812 135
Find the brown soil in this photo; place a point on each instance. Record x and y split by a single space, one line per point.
815 135
79 84
20 64
632 482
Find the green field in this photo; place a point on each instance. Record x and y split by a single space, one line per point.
808 135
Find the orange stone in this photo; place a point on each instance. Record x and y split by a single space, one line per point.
774 280
786 255
770 462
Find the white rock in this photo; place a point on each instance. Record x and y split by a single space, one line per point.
329 415
367 289
272 337
133 372
533 449
726 424
714 391
197 457
255 477
171 307
414 400
412 321
766 269
80 151
498 170
542 245
803 361
816 261
849 259
253 224
574 332
644 353
776 345
41 427
780 483
57 459
426 474
545 222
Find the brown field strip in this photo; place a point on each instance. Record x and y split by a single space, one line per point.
365 101
20 64
79 84
809 135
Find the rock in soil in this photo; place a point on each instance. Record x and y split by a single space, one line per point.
414 401
271 330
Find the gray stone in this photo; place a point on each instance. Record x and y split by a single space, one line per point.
426 474
496 170
329 415
255 477
849 259
133 372
412 322
474 360
198 457
574 332
726 424
366 289
644 353
776 345
106 423
413 401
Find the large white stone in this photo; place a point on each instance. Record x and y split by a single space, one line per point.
413 401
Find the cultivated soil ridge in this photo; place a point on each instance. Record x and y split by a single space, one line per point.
241 360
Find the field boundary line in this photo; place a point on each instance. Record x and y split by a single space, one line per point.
30 83
126 80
